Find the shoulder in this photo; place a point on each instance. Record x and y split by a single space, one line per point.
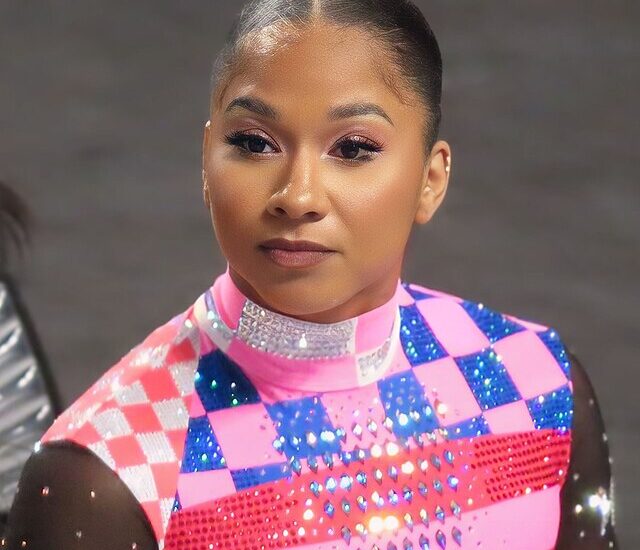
465 325
67 496
587 499
134 417
515 372
149 372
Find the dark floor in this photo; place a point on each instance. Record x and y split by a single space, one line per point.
101 112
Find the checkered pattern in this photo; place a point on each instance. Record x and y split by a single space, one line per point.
181 423
468 370
135 416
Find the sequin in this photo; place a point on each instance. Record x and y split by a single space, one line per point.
402 394
278 334
452 481
297 417
250 477
552 409
493 324
232 386
556 347
488 379
202 450
468 428
456 534
410 467
418 341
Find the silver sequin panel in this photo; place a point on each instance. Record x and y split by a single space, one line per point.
293 338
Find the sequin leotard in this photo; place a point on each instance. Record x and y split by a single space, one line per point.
428 422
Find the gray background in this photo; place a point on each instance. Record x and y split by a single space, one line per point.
101 113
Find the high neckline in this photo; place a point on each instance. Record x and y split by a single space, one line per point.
276 349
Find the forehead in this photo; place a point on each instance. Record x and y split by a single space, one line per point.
306 72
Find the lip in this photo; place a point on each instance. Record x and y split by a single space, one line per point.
285 244
295 254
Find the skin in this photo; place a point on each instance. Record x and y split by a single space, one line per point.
301 183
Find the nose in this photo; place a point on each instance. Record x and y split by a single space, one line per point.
303 194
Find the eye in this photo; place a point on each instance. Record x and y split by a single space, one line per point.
351 146
253 144
250 144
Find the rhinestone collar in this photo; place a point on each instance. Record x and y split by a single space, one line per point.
290 352
293 338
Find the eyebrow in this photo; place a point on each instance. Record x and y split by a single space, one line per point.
255 105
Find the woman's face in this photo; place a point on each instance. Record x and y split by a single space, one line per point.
286 155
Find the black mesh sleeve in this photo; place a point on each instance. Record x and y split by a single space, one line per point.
587 501
68 498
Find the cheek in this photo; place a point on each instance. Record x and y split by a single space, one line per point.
380 214
235 201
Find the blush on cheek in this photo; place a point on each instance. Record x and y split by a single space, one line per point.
386 206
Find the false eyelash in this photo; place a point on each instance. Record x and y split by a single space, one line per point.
238 137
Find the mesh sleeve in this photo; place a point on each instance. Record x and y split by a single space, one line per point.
587 519
68 498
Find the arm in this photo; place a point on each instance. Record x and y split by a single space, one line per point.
587 521
68 496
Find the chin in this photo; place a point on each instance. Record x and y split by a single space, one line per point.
302 298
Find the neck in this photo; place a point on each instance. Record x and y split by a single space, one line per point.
274 348
368 298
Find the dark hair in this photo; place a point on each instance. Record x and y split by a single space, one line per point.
14 226
398 25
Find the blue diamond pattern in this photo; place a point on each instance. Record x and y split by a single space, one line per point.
250 477
553 409
220 383
202 451
419 343
400 395
296 418
552 340
472 427
488 379
492 323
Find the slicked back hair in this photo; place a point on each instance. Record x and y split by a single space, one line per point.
397 26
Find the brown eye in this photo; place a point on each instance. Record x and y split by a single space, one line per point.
349 148
256 144
248 143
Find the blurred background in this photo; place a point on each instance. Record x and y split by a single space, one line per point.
102 106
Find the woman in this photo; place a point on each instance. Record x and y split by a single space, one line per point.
310 397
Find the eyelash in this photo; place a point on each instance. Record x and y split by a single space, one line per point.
238 138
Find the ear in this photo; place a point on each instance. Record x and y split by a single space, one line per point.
206 141
435 181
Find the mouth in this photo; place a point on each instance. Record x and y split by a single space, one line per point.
295 254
